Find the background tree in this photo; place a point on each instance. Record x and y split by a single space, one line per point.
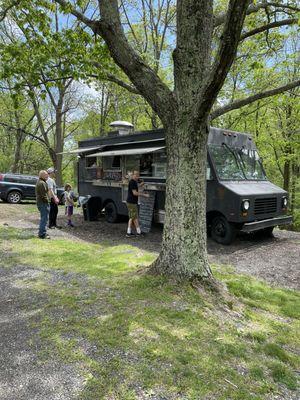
38 55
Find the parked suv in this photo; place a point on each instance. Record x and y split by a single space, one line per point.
17 187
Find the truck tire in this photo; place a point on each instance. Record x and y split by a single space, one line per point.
222 231
111 214
14 197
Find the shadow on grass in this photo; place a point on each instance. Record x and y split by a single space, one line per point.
148 336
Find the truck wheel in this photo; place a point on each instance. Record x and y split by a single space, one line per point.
111 214
222 231
14 197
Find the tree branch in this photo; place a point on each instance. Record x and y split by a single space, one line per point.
253 8
266 27
158 95
7 9
251 99
226 53
112 78
66 5
10 127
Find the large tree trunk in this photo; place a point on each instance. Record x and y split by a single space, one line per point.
18 156
59 139
184 239
286 175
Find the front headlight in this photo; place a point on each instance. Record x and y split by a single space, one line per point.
284 202
245 205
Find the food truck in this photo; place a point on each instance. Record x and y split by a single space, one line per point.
239 195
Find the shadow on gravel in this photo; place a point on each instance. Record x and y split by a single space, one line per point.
102 232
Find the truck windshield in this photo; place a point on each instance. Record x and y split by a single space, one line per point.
236 164
251 164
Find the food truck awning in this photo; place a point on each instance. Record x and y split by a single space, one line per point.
82 150
124 152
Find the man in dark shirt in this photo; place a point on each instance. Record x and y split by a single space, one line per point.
132 204
42 202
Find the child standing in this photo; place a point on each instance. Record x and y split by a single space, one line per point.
69 203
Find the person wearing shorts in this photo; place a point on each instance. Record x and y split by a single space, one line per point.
132 205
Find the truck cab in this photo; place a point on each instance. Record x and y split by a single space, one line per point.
239 195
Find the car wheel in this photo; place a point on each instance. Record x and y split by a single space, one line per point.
14 197
222 231
111 214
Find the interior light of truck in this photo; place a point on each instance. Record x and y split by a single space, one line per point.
284 202
245 205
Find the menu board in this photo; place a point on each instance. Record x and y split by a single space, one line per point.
146 211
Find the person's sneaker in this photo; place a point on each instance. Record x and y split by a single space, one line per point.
129 235
140 234
44 237
58 227
71 224
52 227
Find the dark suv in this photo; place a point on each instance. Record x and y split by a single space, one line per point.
17 187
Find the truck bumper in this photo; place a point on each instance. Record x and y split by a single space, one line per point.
266 223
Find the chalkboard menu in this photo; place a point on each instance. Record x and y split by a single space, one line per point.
146 211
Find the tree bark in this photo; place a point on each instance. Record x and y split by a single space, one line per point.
286 175
59 139
183 251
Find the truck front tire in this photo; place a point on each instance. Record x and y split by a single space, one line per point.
222 231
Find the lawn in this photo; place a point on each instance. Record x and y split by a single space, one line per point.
135 336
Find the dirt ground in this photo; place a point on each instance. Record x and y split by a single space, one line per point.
276 260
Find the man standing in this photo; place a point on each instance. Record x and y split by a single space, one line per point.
42 202
53 199
132 204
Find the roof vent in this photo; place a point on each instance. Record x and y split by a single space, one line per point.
123 127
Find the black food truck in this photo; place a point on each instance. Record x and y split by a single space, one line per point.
239 195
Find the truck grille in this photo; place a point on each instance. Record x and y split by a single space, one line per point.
265 206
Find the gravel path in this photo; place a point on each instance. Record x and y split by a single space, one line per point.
23 376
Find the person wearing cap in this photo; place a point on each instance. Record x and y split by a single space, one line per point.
42 202
52 190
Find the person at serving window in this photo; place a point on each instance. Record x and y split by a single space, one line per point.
132 204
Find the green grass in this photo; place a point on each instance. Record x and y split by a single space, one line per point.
132 335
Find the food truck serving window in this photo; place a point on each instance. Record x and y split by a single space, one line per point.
112 162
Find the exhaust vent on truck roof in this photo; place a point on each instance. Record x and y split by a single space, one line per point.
123 127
